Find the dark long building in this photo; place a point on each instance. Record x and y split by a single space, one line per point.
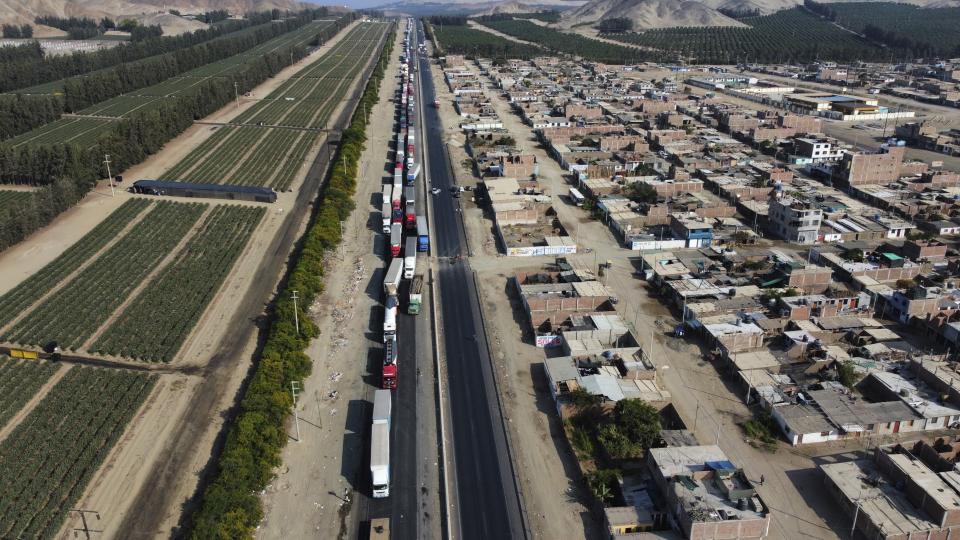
206 191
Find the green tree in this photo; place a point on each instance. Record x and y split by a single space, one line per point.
847 375
641 192
639 421
854 255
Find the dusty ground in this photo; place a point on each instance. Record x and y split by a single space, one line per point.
549 482
305 498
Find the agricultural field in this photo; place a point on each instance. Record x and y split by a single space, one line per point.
249 156
790 35
158 321
10 198
73 313
84 131
162 272
271 156
308 98
477 43
80 131
569 43
19 381
51 455
921 31
26 293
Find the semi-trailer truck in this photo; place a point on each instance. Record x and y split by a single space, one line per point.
416 295
410 258
410 207
380 444
390 318
386 210
423 235
391 282
396 194
412 174
396 236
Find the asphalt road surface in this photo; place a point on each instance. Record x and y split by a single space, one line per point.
483 478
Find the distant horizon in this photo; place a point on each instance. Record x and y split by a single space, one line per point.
355 4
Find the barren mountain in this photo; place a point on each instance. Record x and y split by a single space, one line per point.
24 11
648 13
510 7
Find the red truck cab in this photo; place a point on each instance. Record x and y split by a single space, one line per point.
389 380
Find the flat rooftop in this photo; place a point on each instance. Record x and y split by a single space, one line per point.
885 505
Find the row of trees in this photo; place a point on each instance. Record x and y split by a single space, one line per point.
21 113
479 44
230 507
615 25
22 67
66 172
790 35
742 13
81 92
569 43
26 112
13 31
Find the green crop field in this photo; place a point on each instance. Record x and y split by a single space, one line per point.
155 325
51 455
91 280
272 156
308 98
569 43
477 43
790 35
79 131
19 381
10 198
921 31
26 293
74 312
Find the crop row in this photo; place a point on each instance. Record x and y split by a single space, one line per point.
789 35
80 131
299 100
19 381
569 43
51 455
456 39
149 96
73 313
272 156
158 321
927 31
25 294
10 198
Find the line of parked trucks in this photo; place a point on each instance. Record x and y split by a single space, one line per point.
407 235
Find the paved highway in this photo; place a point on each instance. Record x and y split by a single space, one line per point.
488 505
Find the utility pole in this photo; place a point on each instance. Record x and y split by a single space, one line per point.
85 529
236 93
294 390
296 317
106 160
